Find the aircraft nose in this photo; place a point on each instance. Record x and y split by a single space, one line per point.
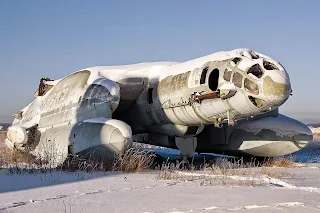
276 86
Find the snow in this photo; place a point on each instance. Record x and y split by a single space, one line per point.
155 71
35 178
264 179
59 191
52 83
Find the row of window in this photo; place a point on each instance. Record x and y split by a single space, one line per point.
237 80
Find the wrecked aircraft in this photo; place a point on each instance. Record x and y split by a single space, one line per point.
226 102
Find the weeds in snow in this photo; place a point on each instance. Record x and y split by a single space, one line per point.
18 162
228 172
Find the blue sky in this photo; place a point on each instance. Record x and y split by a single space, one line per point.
54 38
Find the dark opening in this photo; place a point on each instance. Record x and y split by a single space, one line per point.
70 149
237 79
150 101
269 66
214 80
203 75
192 130
236 60
256 71
256 101
254 55
252 100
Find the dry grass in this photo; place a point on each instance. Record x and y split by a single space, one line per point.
229 172
279 162
137 160
316 137
315 130
133 160
316 133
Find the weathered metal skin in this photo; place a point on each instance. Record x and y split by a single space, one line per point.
59 115
168 103
172 98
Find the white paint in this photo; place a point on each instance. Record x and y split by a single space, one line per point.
228 86
124 128
279 76
155 71
113 87
245 64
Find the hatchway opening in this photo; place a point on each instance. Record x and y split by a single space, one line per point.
214 80
150 100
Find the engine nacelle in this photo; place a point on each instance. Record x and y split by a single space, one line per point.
102 137
17 137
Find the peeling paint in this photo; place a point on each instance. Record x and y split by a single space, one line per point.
273 88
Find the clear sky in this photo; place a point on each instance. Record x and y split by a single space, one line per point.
54 38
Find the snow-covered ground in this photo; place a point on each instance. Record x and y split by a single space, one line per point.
119 192
60 191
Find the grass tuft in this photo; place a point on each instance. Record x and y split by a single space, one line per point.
134 160
16 161
279 162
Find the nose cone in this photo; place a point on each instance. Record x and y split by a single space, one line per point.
276 85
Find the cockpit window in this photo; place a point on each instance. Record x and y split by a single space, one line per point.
269 66
237 79
251 86
227 75
256 71
236 60
204 75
